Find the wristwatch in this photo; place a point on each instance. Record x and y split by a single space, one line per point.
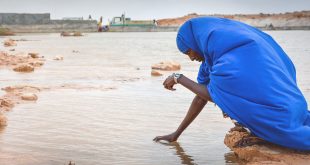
176 76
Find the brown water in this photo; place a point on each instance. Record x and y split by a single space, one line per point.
112 108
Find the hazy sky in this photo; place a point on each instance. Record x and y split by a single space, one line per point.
148 9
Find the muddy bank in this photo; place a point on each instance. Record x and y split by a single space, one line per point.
265 153
20 62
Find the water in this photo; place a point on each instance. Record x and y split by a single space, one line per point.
112 108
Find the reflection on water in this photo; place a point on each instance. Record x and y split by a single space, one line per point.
101 109
179 151
231 159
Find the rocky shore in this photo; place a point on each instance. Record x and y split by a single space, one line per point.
265 154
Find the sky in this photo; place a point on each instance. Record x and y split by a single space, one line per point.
149 9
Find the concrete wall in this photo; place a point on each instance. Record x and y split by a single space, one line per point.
143 29
55 26
24 19
41 23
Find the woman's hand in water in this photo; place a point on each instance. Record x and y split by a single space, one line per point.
169 138
169 83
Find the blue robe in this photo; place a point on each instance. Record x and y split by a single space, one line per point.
250 78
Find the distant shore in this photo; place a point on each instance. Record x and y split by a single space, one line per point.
299 20
41 23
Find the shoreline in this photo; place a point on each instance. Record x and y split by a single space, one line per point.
42 23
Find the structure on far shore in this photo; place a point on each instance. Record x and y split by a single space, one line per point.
42 23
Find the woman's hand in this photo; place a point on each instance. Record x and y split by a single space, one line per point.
169 138
169 83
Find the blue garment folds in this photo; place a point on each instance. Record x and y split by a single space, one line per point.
250 78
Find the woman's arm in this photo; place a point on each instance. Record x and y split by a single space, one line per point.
200 100
195 108
196 88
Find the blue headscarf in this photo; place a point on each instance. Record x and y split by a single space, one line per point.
250 78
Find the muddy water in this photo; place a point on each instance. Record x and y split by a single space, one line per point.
103 107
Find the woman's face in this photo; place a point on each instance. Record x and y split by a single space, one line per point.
194 56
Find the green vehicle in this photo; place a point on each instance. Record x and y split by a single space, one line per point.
126 24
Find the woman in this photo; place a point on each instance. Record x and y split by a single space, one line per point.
248 75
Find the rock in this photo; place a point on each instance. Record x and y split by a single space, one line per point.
265 153
36 63
6 103
156 73
34 55
71 163
58 58
9 42
65 34
77 34
24 68
16 95
167 66
3 120
29 97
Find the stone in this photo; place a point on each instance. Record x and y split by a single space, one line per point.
58 58
34 55
36 63
6 103
65 34
167 66
156 73
29 97
24 68
9 42
268 153
77 34
3 120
